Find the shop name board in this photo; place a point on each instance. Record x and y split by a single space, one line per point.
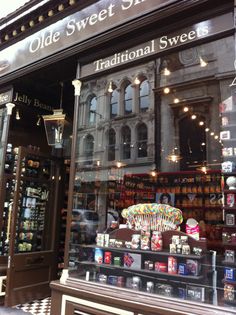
5 97
26 100
165 42
74 29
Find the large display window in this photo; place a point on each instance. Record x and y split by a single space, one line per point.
155 180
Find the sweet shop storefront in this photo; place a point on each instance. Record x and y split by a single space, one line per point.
150 210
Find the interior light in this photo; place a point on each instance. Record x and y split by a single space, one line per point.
212 133
203 63
207 129
110 89
216 137
185 109
17 114
136 81
166 90
118 164
201 123
203 143
176 100
193 116
166 71
153 173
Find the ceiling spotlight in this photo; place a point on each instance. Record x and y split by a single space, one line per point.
185 109
153 173
176 100
166 90
216 137
17 114
110 89
201 123
207 129
166 71
193 116
203 144
203 63
136 81
212 133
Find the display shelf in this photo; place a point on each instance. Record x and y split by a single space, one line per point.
229 208
229 281
226 263
153 272
229 226
229 244
147 252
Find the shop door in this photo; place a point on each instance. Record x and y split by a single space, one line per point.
32 259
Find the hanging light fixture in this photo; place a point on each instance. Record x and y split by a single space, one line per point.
57 127
204 168
166 90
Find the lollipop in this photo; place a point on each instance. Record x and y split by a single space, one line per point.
160 217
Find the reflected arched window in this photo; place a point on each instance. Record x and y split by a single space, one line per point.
144 96
114 104
111 145
89 147
92 110
126 142
128 99
142 136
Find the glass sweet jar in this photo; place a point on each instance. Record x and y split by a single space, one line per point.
156 241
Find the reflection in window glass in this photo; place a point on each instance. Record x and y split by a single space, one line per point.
92 110
111 145
142 140
114 104
144 96
126 142
128 99
89 145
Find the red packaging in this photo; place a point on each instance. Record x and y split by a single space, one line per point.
160 266
107 258
172 265
230 200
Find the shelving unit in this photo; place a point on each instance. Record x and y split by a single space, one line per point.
85 263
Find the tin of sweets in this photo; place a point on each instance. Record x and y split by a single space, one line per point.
230 200
107 258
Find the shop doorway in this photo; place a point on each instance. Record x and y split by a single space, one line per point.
38 177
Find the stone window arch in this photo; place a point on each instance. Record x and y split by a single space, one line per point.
92 105
114 98
144 95
128 98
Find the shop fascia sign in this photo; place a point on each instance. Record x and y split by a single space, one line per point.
22 98
161 44
6 96
74 29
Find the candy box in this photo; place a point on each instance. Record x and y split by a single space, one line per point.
182 270
193 267
230 274
195 293
132 261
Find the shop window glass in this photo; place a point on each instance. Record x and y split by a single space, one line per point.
89 147
114 104
142 136
144 96
126 142
111 145
189 255
128 99
92 110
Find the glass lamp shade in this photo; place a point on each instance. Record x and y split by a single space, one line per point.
55 125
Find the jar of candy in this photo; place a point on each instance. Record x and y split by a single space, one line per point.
135 242
156 241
